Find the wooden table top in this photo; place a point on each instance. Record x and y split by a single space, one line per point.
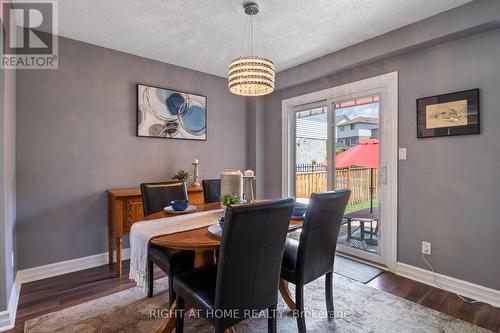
197 239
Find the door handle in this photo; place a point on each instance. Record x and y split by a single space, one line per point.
383 175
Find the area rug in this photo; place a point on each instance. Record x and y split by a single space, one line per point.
359 308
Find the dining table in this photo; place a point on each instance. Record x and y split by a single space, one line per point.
204 245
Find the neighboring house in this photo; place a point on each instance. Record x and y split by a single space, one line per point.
311 141
339 119
352 131
312 135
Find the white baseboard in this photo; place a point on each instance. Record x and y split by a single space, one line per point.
68 266
448 283
8 317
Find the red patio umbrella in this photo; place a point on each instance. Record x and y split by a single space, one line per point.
365 154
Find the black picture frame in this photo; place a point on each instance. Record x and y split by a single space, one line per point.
458 109
138 113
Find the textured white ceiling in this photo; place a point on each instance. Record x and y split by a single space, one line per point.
206 35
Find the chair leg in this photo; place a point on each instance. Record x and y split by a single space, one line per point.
329 295
179 315
151 278
299 301
272 326
218 328
171 292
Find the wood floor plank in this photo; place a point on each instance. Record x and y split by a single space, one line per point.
485 316
496 322
384 281
434 298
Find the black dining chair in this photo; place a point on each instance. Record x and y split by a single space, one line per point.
211 190
313 255
246 277
155 197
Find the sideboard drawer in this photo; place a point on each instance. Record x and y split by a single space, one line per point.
134 213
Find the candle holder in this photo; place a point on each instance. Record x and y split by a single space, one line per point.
196 173
248 189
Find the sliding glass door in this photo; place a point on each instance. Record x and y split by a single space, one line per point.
337 145
344 153
346 137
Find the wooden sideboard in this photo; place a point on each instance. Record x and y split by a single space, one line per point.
124 209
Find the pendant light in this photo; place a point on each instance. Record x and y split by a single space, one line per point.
251 75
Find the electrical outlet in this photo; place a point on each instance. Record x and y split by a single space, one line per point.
426 247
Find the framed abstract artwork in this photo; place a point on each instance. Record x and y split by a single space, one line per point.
170 114
449 114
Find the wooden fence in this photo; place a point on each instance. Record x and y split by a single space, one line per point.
356 179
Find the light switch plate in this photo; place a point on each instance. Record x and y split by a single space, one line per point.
402 154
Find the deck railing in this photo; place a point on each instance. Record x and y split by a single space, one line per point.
355 179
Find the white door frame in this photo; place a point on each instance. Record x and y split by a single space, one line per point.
386 86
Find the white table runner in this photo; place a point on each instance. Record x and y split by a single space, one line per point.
142 232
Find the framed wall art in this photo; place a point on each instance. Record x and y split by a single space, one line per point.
170 114
449 114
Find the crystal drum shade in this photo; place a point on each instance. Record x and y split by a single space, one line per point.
251 76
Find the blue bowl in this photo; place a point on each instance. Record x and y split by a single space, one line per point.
221 222
299 211
179 205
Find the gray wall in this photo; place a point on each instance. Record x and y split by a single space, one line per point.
3 264
76 138
448 187
7 183
255 141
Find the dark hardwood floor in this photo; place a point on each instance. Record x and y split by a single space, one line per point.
60 292
53 294
479 314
